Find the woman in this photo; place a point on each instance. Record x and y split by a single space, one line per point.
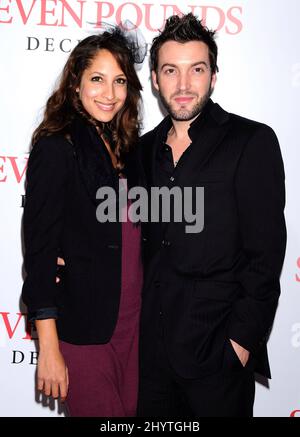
87 323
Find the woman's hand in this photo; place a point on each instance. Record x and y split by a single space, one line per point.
52 373
52 377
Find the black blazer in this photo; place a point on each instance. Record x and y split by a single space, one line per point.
223 282
60 219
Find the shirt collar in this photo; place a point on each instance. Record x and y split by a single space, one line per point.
196 124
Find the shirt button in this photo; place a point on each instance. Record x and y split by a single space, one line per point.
172 179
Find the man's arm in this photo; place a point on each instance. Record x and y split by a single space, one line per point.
260 197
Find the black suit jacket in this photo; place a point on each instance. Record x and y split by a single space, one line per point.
223 282
60 219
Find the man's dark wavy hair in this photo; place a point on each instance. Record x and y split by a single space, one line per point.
183 29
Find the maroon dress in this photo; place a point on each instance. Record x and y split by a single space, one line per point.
104 378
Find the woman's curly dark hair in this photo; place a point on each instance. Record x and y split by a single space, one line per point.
64 104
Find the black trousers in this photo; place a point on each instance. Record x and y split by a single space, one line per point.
227 393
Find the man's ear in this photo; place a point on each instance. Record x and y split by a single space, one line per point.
154 80
213 80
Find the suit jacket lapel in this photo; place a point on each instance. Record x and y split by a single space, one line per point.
159 137
93 158
207 133
150 142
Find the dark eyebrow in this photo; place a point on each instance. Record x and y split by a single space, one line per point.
102 74
167 65
175 66
198 63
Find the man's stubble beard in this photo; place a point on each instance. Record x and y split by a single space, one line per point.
184 114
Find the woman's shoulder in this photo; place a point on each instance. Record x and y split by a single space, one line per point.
54 145
54 142
52 152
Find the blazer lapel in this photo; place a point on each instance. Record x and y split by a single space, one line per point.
206 133
160 133
93 158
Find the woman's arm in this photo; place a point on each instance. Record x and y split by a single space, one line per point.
52 376
46 195
47 179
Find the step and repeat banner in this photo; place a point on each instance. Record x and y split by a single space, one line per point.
259 78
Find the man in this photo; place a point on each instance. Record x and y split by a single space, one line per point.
210 297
